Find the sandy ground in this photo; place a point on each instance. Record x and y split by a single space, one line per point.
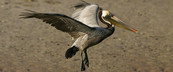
29 45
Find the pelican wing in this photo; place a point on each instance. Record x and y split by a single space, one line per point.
87 14
60 22
78 9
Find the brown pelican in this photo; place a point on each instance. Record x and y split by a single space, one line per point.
83 27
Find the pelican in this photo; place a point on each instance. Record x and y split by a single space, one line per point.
83 26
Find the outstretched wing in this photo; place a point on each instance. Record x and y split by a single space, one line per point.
87 14
79 8
60 22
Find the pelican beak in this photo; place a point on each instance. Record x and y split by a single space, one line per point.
117 22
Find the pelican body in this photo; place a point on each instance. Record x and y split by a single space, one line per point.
83 27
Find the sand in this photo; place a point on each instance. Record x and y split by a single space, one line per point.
30 45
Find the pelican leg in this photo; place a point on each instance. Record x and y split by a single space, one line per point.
86 58
82 64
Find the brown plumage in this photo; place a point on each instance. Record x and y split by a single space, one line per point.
83 27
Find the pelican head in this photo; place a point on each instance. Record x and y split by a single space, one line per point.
109 18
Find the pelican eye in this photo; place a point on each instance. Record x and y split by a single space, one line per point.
105 13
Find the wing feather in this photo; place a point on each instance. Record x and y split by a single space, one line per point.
60 22
87 14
